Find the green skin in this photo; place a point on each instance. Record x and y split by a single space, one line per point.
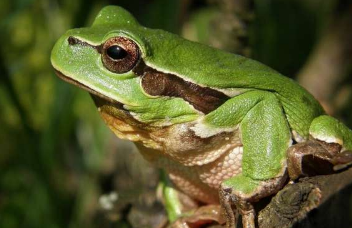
269 109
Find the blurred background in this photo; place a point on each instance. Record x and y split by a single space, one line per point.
60 166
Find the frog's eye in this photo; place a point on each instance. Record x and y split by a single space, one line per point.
120 54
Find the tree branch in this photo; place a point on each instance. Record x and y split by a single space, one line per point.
329 194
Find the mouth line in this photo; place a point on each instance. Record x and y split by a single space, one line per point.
86 88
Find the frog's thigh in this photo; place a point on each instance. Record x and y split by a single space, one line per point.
265 137
330 130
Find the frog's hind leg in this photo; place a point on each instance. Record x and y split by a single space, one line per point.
328 150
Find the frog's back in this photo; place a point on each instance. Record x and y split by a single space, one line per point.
221 70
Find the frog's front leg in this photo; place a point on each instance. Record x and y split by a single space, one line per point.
176 203
265 137
183 211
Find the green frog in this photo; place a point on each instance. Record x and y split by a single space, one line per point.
222 126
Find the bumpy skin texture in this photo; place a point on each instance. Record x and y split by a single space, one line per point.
239 146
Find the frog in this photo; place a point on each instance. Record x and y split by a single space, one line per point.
227 130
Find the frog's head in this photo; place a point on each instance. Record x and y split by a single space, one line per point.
128 66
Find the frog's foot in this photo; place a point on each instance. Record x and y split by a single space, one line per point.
315 157
238 194
209 214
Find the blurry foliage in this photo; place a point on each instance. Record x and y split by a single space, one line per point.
285 32
54 149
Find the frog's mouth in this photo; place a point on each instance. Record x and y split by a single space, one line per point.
96 95
111 110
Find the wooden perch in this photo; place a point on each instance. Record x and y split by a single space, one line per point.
325 198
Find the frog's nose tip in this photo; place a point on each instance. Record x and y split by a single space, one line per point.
60 52
56 52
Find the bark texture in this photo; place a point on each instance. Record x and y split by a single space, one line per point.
320 201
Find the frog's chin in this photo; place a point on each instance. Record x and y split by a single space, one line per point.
97 97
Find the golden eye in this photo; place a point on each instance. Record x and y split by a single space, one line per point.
120 54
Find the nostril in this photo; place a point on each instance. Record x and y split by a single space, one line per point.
75 41
72 41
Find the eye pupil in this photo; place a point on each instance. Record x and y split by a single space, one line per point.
116 52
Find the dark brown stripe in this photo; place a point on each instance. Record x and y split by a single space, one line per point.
160 84
74 41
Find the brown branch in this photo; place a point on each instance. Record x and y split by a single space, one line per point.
325 198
